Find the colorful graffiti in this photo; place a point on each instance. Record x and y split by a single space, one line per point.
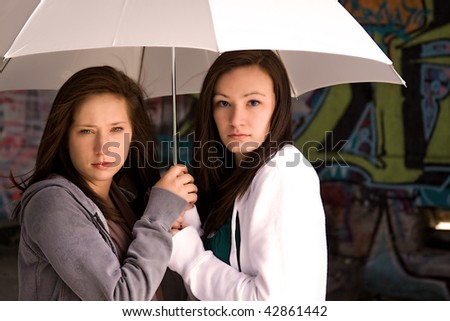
22 121
394 136
395 142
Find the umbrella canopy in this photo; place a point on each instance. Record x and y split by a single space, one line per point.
320 43
13 15
168 45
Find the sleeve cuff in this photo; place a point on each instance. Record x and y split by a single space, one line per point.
164 206
187 245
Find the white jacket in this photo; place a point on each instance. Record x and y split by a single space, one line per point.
283 251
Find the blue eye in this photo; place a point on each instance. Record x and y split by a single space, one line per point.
223 103
253 103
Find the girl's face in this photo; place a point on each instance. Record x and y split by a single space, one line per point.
99 139
244 102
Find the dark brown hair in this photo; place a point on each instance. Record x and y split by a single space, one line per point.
139 171
219 180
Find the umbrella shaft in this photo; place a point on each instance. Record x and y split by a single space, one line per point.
174 108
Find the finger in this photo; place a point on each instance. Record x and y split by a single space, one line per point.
181 168
191 198
188 207
178 225
190 188
186 178
176 170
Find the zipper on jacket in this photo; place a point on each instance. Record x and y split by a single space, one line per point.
104 233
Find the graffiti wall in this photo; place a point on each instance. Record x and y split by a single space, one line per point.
22 120
387 155
382 151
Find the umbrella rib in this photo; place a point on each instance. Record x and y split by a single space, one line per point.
293 91
141 65
3 63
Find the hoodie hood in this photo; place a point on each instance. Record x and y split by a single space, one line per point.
59 181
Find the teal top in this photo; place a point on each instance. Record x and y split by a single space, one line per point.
220 242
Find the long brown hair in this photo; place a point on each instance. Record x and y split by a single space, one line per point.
219 180
139 171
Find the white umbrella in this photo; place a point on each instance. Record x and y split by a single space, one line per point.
320 43
13 15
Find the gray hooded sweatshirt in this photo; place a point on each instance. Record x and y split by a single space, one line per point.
66 252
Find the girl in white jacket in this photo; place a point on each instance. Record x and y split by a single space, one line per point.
262 234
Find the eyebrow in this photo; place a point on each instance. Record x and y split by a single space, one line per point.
112 124
246 95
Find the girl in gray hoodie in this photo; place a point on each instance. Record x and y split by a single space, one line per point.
95 215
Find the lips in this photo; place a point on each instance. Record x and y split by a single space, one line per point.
102 165
238 136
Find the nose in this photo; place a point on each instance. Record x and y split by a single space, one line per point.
237 115
99 145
